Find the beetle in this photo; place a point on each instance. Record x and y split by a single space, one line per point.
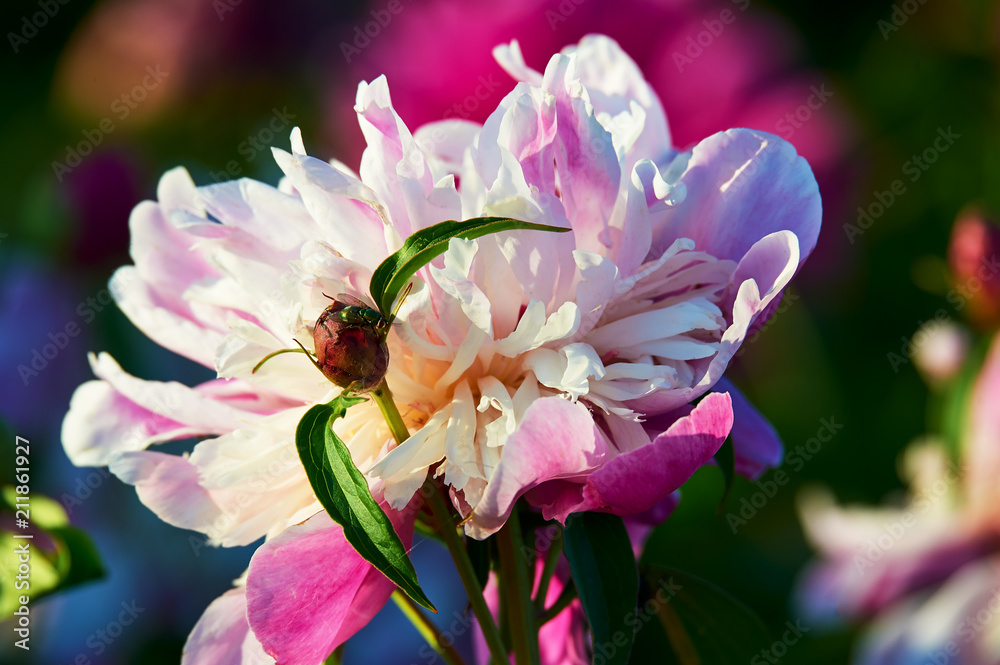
349 342
356 314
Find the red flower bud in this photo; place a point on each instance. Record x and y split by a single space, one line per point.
973 255
350 345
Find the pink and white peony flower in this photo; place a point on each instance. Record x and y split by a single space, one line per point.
558 367
926 573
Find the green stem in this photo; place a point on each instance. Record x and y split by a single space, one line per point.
565 598
337 657
514 576
551 561
465 571
427 629
383 398
446 525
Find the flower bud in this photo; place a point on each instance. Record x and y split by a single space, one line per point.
350 346
973 254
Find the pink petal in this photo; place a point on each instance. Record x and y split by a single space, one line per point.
235 488
639 480
757 281
640 525
982 440
755 443
308 591
169 486
153 292
741 186
336 200
556 439
872 579
102 423
222 635
122 413
588 168
395 167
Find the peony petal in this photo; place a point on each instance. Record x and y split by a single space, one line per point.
343 207
235 489
171 327
756 445
762 274
876 556
102 423
222 635
615 83
555 439
741 186
394 166
563 639
637 481
122 413
308 591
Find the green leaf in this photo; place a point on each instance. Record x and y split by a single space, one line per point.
425 245
344 493
71 560
725 457
76 559
702 623
603 566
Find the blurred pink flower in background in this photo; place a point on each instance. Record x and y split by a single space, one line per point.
926 573
113 51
